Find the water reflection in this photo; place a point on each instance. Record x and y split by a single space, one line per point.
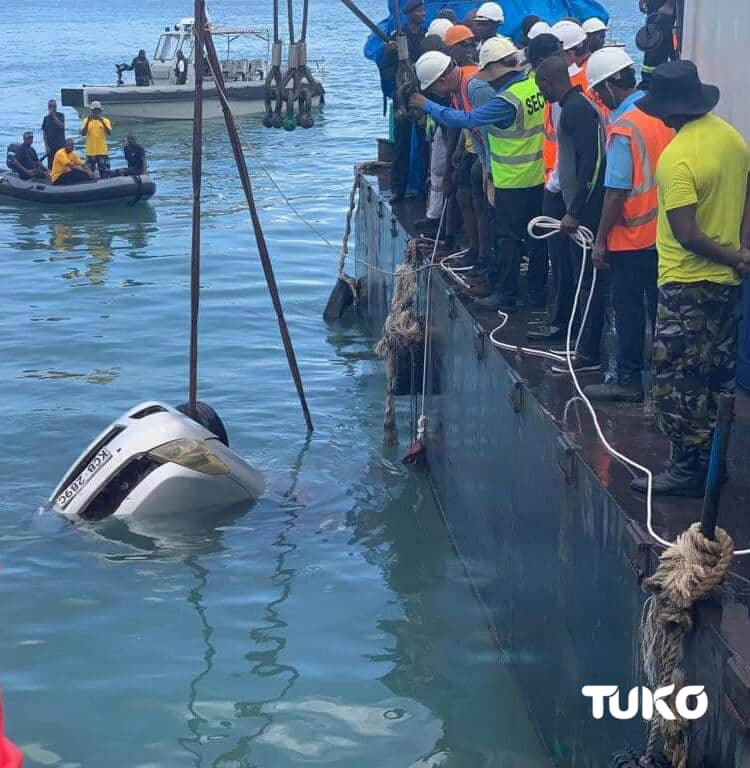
172 537
95 235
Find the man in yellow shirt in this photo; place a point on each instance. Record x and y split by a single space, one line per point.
703 234
96 128
68 168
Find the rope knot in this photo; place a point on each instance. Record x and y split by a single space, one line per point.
688 572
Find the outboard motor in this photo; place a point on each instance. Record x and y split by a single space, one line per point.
120 68
155 461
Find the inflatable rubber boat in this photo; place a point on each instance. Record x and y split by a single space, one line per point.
119 189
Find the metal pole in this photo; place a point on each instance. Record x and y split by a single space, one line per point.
265 257
195 246
716 465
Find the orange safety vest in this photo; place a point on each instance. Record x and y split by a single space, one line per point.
462 101
648 136
549 145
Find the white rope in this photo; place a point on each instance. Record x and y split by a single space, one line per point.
456 272
584 238
549 228
422 421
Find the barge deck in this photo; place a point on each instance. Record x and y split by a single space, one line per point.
546 524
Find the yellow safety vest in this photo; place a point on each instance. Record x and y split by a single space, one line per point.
516 152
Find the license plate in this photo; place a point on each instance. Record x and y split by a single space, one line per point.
101 458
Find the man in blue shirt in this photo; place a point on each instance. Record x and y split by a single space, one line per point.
626 237
499 71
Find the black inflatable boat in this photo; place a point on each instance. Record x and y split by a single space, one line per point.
119 189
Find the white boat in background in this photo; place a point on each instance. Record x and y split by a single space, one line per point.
244 73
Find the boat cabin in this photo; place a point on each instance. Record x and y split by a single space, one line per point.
247 64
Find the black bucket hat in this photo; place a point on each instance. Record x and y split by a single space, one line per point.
649 37
676 89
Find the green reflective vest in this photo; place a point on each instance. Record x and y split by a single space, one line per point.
516 152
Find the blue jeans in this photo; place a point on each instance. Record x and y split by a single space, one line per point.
633 276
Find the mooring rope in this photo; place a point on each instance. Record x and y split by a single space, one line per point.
688 572
359 171
402 328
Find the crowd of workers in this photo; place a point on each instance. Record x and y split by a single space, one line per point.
64 165
561 126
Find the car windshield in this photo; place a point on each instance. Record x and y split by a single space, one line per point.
167 47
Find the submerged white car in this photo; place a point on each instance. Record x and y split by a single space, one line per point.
155 461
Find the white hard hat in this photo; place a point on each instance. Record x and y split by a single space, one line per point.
569 34
95 105
439 27
490 12
540 28
496 49
606 62
430 67
594 24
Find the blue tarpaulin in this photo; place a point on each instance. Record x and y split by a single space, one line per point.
515 11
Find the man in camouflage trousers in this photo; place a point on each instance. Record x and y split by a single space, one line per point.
694 361
703 233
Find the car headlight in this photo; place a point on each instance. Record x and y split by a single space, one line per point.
191 454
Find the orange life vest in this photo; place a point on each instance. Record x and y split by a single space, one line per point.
648 137
462 101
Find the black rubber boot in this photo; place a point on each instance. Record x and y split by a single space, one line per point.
613 392
685 476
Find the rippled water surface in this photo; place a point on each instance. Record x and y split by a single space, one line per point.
328 624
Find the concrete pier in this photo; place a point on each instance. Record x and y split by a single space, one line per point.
551 535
